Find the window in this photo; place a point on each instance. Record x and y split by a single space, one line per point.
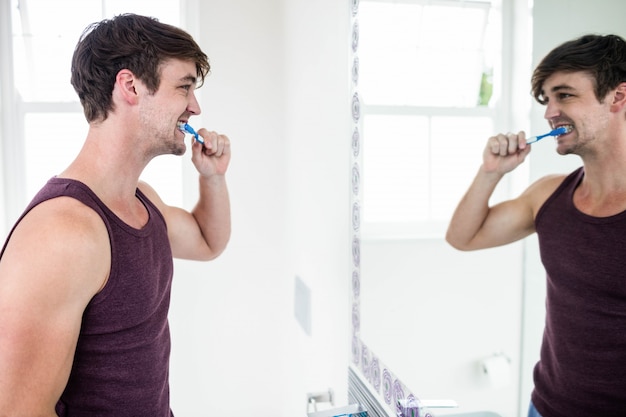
47 123
431 82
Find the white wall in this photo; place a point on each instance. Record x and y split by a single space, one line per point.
318 136
228 317
279 89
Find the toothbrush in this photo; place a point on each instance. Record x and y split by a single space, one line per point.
188 129
555 132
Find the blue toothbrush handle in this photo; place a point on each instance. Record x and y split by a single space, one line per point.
537 138
555 132
190 130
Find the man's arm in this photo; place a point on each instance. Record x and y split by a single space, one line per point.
57 259
203 233
476 225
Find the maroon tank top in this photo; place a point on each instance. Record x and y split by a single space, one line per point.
582 369
121 365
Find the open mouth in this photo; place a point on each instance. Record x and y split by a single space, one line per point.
185 128
565 129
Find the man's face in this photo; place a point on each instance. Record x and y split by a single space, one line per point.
571 101
173 102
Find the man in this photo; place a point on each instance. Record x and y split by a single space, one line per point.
580 220
85 274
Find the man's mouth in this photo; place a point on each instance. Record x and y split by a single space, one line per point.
566 129
185 128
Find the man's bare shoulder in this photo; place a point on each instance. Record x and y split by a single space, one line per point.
61 234
56 260
551 180
540 190
152 195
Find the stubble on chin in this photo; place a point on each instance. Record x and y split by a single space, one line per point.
178 149
174 145
169 147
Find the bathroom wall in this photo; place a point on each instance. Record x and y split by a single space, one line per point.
318 135
278 88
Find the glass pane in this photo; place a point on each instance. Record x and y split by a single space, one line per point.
167 11
50 153
388 36
395 168
457 145
414 171
408 57
43 46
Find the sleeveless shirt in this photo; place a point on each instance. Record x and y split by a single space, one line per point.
121 363
582 367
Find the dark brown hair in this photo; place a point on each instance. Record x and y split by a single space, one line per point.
128 41
601 56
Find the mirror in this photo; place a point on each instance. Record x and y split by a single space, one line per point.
426 316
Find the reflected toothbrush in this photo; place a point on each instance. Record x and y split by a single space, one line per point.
555 132
184 127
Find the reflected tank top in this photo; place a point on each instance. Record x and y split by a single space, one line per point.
582 367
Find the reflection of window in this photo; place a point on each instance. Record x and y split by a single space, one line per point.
430 79
49 126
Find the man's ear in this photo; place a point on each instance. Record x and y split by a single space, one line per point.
125 83
619 98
